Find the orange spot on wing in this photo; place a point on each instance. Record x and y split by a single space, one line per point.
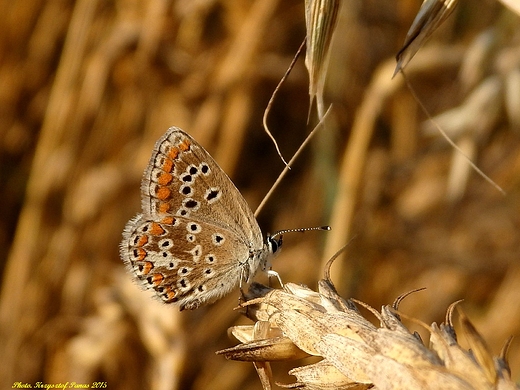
157 279
165 179
167 165
142 241
156 229
170 294
147 267
164 207
168 220
163 193
141 254
173 153
184 145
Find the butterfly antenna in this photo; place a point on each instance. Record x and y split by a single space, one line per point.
300 230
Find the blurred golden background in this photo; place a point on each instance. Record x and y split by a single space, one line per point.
87 87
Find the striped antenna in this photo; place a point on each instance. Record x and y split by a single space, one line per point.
300 230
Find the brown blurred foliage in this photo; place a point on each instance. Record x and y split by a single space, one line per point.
87 87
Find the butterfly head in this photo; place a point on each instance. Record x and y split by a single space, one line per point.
274 243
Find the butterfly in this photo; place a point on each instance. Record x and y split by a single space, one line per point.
196 238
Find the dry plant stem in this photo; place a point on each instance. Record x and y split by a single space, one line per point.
291 161
271 101
449 140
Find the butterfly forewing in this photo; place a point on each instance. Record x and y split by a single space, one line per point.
183 179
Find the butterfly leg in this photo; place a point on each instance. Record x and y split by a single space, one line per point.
242 297
274 274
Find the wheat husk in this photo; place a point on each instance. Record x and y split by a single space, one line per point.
355 354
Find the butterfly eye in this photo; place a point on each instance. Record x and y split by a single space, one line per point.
273 244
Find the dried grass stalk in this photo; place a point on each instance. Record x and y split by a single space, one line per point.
430 16
320 16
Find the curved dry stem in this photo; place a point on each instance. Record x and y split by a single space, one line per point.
288 166
271 101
